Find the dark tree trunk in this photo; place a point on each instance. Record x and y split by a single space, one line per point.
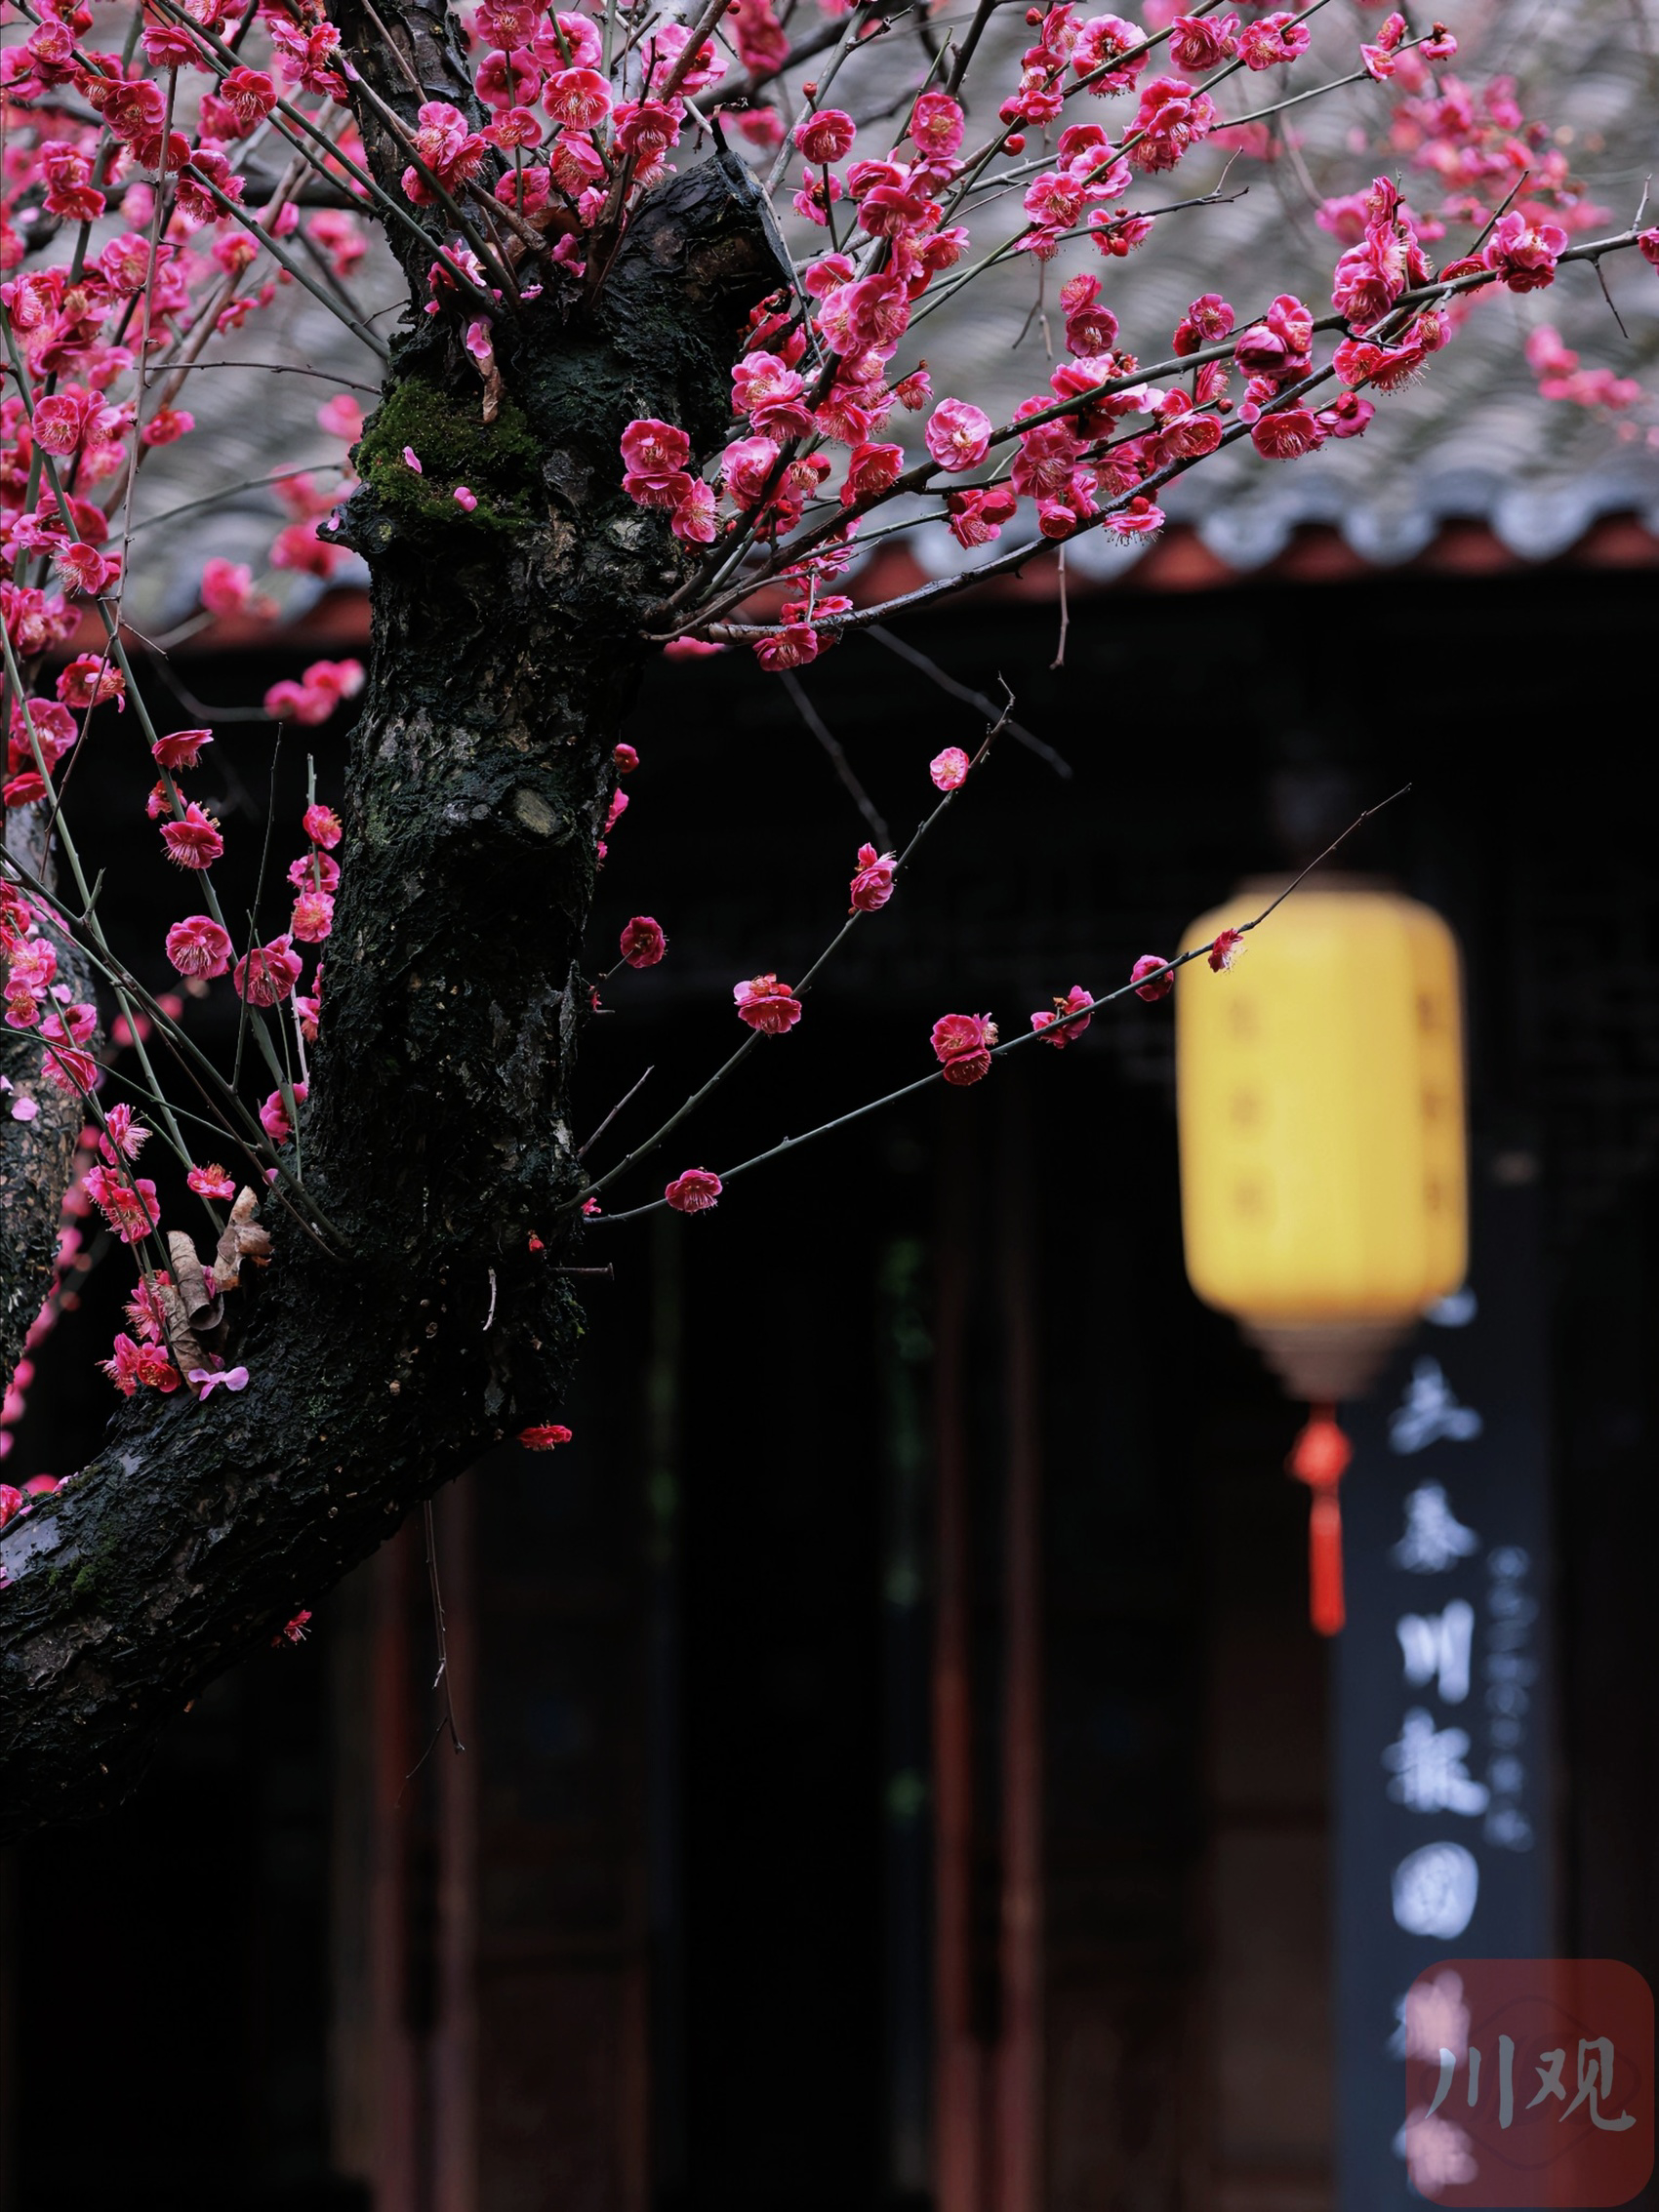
35 1155
507 646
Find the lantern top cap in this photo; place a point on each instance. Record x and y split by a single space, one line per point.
1291 905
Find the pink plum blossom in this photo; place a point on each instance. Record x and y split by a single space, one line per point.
766 1005
183 749
872 882
1152 976
1525 253
1064 1024
643 942
198 946
194 842
694 1191
958 434
204 1381
268 973
961 1043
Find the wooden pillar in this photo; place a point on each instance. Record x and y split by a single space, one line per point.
1019 2080
958 2055
453 2073
9 2197
663 2150
489 2044
393 2086
988 2050
403 2058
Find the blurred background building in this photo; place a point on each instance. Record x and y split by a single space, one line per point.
898 1769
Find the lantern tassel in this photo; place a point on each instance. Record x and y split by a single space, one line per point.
1319 1458
1324 1566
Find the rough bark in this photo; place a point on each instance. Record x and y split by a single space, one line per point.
506 650
35 1157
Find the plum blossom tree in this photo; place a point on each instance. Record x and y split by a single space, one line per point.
645 396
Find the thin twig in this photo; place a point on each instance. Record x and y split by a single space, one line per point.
969 697
447 1718
915 479
1609 296
284 259
1431 294
228 491
838 760
1321 857
734 1060
254 926
438 1628
1497 214
227 59
211 716
1011 1044
396 51
583 1150
127 988
965 51
434 183
699 32
285 369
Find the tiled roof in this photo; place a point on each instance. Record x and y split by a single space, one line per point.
249 426
1471 441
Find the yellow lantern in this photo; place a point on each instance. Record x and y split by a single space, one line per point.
1323 1156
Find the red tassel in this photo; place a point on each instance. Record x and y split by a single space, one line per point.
1319 1458
1324 1566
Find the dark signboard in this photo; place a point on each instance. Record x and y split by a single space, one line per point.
1442 1685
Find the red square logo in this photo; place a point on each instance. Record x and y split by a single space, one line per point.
1529 2082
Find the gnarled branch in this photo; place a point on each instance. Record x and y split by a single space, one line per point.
506 648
